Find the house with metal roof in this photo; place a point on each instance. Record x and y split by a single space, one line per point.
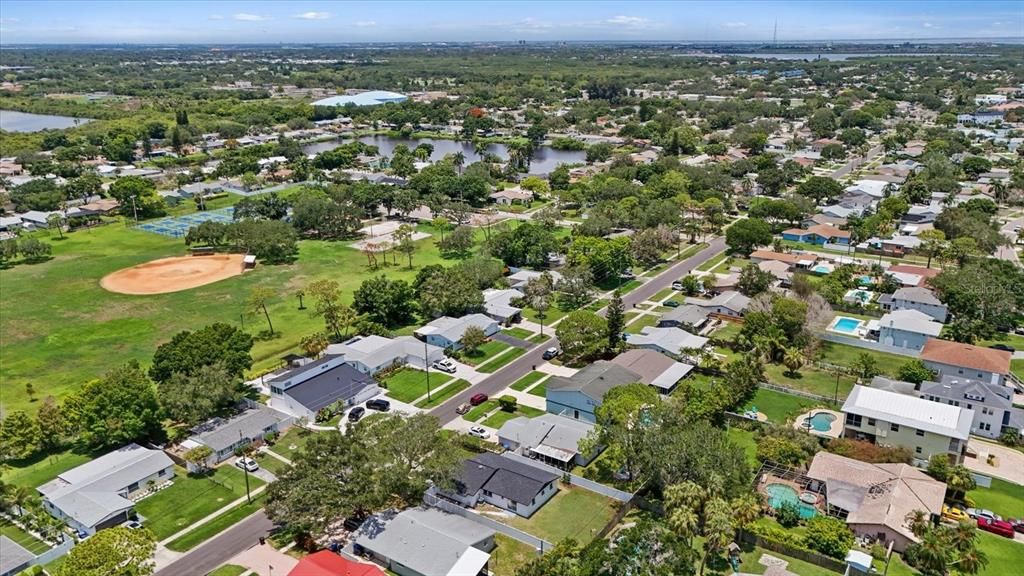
504 482
909 329
579 395
425 542
520 278
13 557
924 428
330 381
447 332
687 317
550 438
671 341
99 494
371 354
224 436
498 305
957 359
729 303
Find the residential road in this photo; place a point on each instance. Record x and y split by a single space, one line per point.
221 548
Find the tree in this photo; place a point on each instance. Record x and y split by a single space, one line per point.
820 188
314 344
390 302
575 286
271 241
19 436
754 281
983 296
198 456
865 366
34 250
939 467
459 242
828 535
52 423
616 321
745 236
327 305
194 398
793 361
257 302
527 244
914 371
961 249
833 152
187 351
941 547
119 408
115 551
386 461
449 293
933 243
403 236
473 338
507 403
617 426
959 482
583 335
137 197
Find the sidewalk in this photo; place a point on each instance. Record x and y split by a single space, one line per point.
211 516
265 560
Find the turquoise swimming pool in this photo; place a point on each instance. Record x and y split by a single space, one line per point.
822 421
821 269
846 325
780 495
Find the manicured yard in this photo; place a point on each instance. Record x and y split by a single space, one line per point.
22 538
217 525
628 287
509 555
661 295
728 331
274 465
516 332
191 498
539 390
691 250
42 468
572 513
539 338
484 353
711 263
527 381
478 412
437 398
745 439
810 379
1003 498
638 325
550 315
500 361
498 419
1004 555
729 263
229 570
293 441
780 407
1017 367
409 384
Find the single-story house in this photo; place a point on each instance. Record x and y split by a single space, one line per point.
511 196
9 223
371 354
922 300
37 218
780 270
671 341
330 381
818 219
579 395
920 271
498 305
99 494
654 368
905 329
844 211
877 498
327 563
199 188
549 438
898 245
687 317
520 278
504 482
957 359
224 436
447 332
817 234
729 304
793 260
872 188
425 542
13 558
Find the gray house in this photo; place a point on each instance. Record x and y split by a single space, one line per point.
906 329
920 299
503 482
687 317
578 396
425 542
447 332
956 359
306 390
731 304
549 438
371 354
223 437
13 558
992 403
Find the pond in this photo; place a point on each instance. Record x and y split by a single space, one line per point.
545 159
12 121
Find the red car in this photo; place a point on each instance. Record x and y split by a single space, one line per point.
1000 527
478 399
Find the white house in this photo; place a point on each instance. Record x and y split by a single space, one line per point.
989 99
371 354
498 305
729 303
447 332
330 381
504 482
906 329
671 341
520 278
224 436
549 438
425 542
920 299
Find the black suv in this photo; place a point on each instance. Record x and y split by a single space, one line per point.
378 404
356 413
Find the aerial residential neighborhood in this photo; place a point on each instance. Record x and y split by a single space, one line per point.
544 288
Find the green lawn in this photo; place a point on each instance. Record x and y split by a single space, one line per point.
24 539
42 468
229 570
1004 555
780 407
540 338
516 332
628 287
550 315
61 328
508 556
191 498
527 381
1003 498
728 331
274 465
500 361
572 513
640 323
409 384
293 441
489 350
810 379
539 390
217 525
745 439
712 262
691 250
1017 367
436 399
478 412
661 295
730 262
1015 341
498 419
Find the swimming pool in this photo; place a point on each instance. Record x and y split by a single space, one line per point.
821 269
780 495
822 421
866 280
846 325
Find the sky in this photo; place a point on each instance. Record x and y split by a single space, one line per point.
299 21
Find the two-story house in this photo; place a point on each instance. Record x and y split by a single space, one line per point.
892 419
579 395
920 299
910 329
992 403
956 359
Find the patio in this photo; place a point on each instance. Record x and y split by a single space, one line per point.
820 422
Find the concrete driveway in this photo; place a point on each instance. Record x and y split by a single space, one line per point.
1010 462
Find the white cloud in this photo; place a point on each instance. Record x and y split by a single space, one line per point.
930 25
366 24
215 17
313 16
8 20
242 16
734 25
629 21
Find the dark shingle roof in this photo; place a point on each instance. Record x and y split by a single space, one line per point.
504 477
595 380
338 383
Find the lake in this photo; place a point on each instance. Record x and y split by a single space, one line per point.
12 121
545 159
832 56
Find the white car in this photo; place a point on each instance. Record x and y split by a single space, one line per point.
677 285
479 432
247 464
445 365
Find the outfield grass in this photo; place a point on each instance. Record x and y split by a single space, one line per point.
527 381
498 419
489 350
516 332
191 498
217 525
1003 498
437 398
409 384
62 329
42 468
572 513
501 361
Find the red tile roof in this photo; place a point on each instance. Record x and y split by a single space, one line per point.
967 356
327 563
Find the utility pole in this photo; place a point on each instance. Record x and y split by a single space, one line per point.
426 363
135 210
245 471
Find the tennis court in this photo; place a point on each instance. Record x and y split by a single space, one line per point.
177 226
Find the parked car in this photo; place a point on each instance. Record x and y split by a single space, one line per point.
677 285
983 513
463 408
1017 523
551 353
478 399
1000 527
247 464
378 404
446 365
672 304
627 274
1003 347
356 413
954 514
479 432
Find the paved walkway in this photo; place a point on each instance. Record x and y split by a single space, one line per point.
265 561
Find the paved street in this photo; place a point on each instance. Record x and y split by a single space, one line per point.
1010 252
222 548
517 368
855 163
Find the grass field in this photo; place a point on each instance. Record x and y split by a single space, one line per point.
42 468
527 381
516 332
498 419
436 399
191 498
572 513
484 353
217 525
779 407
501 361
1017 367
1003 498
409 384
1004 556
22 538
745 439
62 329
293 441
508 556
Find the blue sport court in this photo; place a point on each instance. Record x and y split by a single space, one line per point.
177 226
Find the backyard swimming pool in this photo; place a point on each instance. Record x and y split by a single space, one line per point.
780 495
821 269
822 421
846 325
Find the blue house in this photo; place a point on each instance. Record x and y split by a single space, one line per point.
820 234
578 396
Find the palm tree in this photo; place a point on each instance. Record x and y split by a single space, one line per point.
793 359
459 160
